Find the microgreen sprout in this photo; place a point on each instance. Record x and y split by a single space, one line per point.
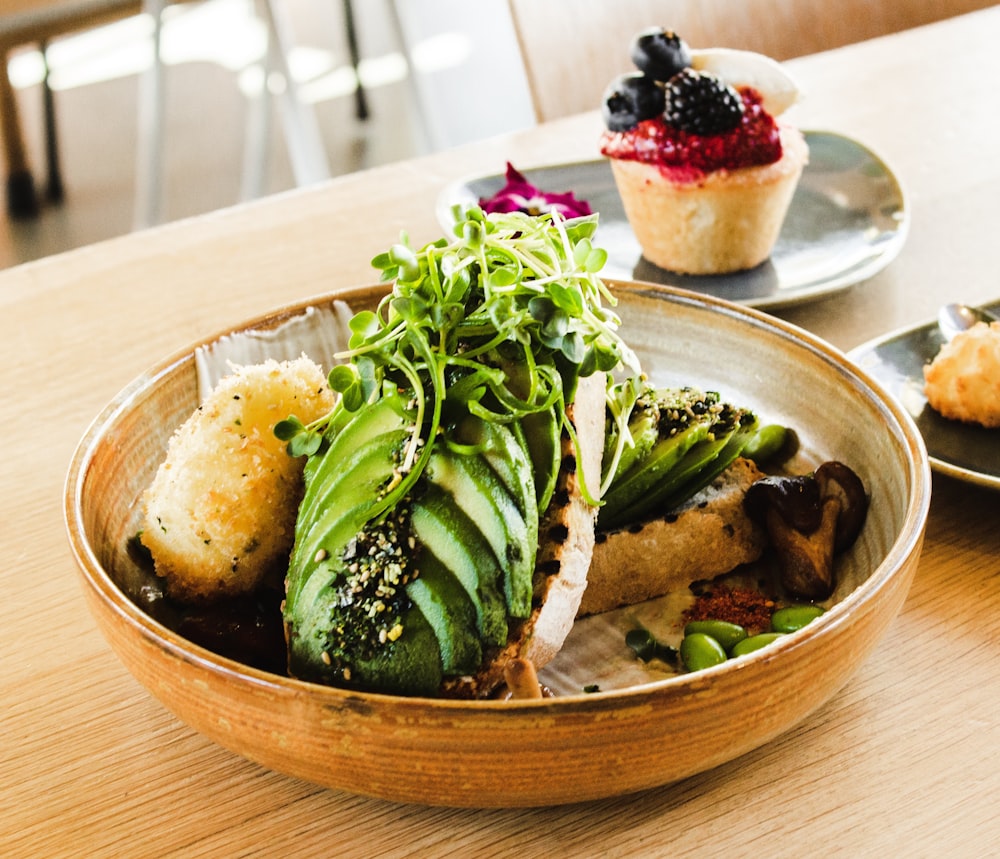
621 399
500 321
302 440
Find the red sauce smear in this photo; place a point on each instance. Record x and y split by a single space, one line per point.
686 157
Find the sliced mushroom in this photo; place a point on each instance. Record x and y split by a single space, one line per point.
838 481
809 519
522 681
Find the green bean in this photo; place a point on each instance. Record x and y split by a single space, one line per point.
794 617
700 651
754 642
724 632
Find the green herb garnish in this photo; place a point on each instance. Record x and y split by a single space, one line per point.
500 322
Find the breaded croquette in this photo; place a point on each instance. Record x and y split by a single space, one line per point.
963 381
221 510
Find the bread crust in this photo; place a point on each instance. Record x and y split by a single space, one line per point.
707 536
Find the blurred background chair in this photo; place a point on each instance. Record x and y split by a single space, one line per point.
37 22
25 22
302 135
572 50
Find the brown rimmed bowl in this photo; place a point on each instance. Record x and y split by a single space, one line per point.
573 747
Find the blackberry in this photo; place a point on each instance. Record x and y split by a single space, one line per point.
660 53
700 103
629 99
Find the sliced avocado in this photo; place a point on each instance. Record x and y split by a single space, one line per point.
505 450
541 429
359 465
644 432
444 529
632 487
341 487
674 484
703 473
542 435
324 529
479 492
512 443
385 415
410 665
328 538
367 463
450 612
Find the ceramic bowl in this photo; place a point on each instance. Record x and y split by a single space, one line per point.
578 745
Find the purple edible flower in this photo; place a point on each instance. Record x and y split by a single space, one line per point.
519 195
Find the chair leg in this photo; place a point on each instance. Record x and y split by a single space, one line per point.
54 189
256 148
302 133
360 99
420 112
150 112
22 201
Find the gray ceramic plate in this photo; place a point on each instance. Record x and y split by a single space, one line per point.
847 221
965 451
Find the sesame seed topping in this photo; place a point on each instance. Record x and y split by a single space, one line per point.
371 598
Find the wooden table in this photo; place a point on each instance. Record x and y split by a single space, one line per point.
903 761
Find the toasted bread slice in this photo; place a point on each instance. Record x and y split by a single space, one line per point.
707 536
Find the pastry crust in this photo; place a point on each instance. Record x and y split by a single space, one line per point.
963 381
726 221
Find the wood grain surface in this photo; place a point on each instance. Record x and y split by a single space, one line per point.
902 761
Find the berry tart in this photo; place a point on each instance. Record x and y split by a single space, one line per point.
704 170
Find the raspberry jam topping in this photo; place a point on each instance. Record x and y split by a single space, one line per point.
686 157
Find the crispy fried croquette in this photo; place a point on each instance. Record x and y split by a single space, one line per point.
220 512
963 381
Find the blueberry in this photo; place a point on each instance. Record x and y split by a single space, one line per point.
629 99
660 53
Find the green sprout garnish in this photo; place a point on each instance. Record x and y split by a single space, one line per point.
499 322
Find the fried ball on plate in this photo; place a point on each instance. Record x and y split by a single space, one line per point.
963 380
220 512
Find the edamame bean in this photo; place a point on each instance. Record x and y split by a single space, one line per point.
700 651
794 617
766 442
724 632
754 642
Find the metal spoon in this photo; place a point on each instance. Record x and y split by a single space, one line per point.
955 318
